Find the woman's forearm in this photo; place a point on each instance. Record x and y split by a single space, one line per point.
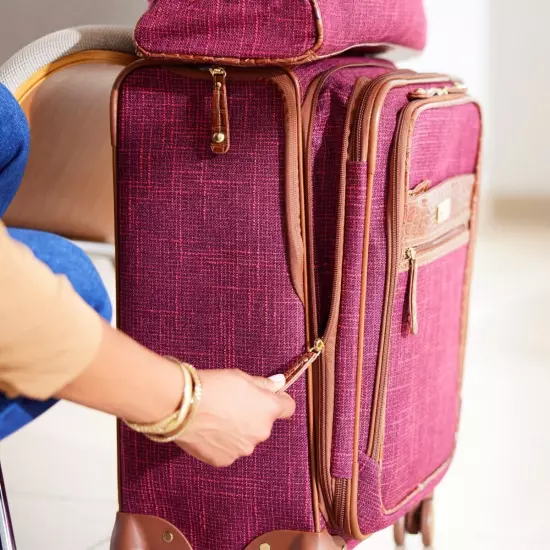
127 380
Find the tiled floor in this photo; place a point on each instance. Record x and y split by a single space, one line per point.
61 474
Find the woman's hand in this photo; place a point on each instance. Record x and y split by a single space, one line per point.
236 413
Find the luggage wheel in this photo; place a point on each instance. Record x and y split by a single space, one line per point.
417 521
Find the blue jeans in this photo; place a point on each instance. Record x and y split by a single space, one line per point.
60 255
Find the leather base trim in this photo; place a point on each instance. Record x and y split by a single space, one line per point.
294 540
135 532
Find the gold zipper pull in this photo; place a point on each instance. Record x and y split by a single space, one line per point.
220 114
427 93
302 364
413 277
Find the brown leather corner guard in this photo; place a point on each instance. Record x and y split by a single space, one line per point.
294 540
135 532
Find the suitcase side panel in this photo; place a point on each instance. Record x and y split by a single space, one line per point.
204 275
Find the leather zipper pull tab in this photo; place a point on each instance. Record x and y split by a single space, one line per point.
413 278
302 364
220 114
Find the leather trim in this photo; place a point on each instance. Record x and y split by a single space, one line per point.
293 540
220 116
137 532
421 223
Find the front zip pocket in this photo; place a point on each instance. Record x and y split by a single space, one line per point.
417 397
415 257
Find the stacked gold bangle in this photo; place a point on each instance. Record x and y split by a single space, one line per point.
173 426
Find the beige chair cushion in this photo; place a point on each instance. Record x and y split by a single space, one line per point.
68 184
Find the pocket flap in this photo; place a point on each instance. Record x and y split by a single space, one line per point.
432 213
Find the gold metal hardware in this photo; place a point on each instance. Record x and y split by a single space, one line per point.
413 276
318 346
218 137
265 546
167 536
443 211
423 93
218 71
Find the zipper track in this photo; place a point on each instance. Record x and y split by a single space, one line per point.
433 250
322 438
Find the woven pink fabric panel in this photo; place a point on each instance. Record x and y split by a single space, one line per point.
422 398
326 166
376 275
445 143
371 516
350 22
218 28
279 29
203 276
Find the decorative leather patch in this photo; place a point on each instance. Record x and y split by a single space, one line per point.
294 540
137 532
434 211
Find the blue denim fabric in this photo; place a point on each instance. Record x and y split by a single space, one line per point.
62 256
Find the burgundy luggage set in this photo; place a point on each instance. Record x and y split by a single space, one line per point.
279 210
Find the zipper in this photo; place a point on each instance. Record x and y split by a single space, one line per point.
415 256
323 438
413 278
399 167
219 142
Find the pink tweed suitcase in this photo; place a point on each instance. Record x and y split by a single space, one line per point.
277 32
317 220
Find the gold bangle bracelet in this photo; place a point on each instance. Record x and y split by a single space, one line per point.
195 401
175 420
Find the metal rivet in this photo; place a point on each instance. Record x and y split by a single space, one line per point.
218 137
265 546
167 536
218 85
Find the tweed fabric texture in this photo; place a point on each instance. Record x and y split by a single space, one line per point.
326 165
251 31
248 28
307 72
422 395
445 144
203 275
376 274
372 518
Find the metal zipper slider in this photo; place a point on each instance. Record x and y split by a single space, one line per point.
413 277
302 364
427 93
220 114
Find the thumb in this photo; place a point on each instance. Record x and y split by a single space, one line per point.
272 384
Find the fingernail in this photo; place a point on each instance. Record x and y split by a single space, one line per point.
278 379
